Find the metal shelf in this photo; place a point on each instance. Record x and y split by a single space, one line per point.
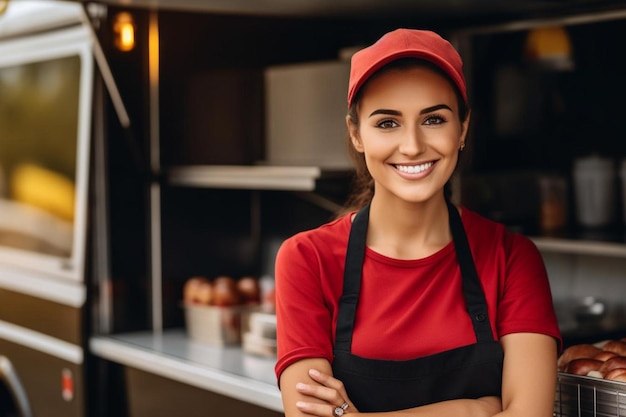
255 177
581 247
246 177
228 371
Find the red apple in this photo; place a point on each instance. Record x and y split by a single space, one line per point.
225 292
192 291
249 289
205 293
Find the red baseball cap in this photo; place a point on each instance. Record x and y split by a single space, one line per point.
406 43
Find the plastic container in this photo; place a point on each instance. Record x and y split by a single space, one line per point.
594 189
260 346
553 209
261 337
217 326
268 294
263 324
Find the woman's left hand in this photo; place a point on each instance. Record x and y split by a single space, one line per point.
331 391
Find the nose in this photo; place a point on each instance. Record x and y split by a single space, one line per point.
412 143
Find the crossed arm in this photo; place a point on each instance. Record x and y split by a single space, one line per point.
528 386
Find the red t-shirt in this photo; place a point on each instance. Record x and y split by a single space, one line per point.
407 308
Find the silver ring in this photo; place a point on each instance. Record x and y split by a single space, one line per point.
339 411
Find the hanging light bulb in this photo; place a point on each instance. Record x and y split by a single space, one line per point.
124 32
550 48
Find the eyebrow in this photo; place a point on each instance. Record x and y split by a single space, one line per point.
423 111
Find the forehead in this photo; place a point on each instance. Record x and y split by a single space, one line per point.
417 85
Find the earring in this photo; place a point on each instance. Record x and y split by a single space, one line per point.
462 146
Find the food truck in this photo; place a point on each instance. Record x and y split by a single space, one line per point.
149 148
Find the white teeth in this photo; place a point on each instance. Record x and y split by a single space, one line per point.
414 169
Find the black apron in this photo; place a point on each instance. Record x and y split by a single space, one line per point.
471 371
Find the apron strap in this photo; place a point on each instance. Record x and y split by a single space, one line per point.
472 289
352 280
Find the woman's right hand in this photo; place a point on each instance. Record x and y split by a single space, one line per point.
330 390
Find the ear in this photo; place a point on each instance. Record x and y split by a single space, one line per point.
353 131
465 128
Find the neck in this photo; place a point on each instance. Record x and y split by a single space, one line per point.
404 230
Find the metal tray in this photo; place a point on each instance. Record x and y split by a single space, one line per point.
582 396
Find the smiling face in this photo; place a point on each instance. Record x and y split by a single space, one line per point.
409 132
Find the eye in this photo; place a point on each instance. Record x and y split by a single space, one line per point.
434 119
387 124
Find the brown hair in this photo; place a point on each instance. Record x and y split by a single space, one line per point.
363 183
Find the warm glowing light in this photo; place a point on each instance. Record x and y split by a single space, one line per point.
3 5
551 47
124 32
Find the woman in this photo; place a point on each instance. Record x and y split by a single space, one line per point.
408 305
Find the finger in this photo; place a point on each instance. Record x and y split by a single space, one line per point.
328 395
314 409
330 382
326 380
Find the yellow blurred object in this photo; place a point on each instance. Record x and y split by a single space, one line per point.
551 47
124 31
45 189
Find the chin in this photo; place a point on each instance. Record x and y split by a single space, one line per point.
416 197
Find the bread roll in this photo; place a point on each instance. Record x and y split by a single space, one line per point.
613 363
619 378
586 351
615 346
613 374
604 355
582 366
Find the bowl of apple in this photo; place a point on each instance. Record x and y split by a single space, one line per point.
214 308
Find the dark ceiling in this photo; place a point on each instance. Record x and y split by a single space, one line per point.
457 10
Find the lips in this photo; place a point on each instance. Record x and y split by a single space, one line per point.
414 169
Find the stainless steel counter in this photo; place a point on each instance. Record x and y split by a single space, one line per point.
224 370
